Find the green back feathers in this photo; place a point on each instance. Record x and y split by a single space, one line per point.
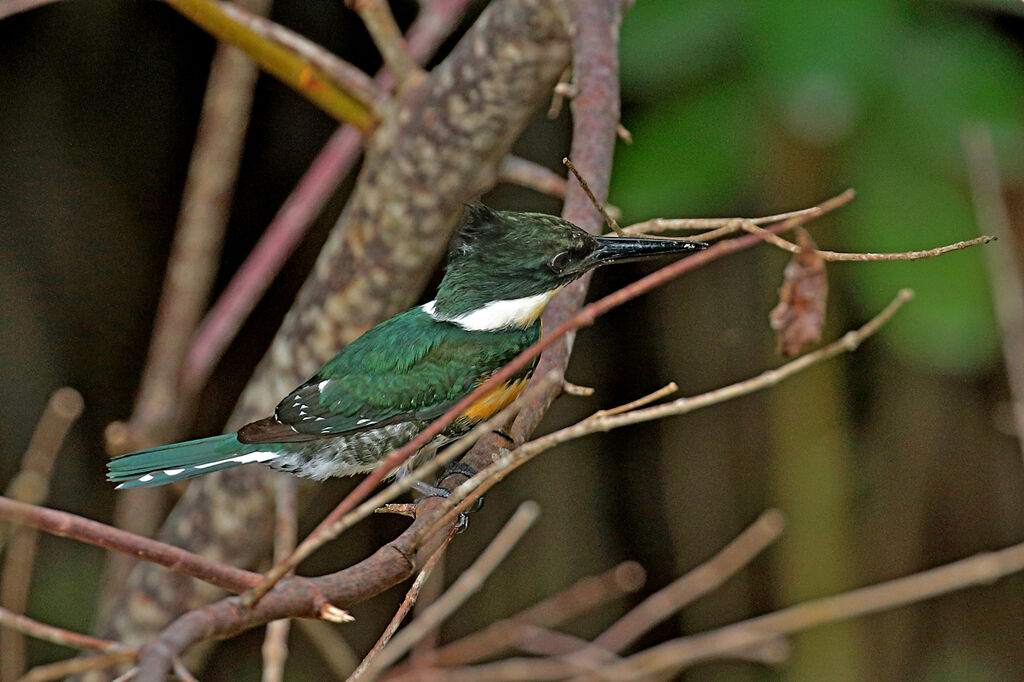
410 366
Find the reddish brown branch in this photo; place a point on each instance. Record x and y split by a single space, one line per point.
78 528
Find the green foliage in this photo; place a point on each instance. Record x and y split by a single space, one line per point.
689 155
882 88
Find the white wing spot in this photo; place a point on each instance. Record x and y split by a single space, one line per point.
364 421
172 472
320 386
146 479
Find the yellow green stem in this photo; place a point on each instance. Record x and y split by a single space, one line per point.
279 62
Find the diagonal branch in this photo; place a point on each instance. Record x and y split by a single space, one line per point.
387 37
67 525
299 73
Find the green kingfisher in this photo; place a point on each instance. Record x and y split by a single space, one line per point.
394 380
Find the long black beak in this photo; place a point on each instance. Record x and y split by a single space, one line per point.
626 249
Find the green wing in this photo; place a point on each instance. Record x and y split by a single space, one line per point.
409 367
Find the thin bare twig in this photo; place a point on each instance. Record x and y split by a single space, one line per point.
465 586
52 633
834 256
666 390
590 194
275 643
657 225
845 344
387 37
403 610
1003 263
77 665
980 569
526 173
694 584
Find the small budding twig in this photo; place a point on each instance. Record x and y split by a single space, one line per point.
563 89
466 585
590 194
569 388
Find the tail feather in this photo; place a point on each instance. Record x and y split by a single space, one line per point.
178 461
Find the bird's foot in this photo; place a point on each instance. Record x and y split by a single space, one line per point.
428 490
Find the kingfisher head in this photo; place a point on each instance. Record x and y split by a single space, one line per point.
504 266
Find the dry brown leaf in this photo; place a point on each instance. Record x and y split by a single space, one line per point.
800 315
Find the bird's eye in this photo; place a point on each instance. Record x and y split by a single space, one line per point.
558 263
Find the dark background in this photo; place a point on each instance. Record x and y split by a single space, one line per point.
897 458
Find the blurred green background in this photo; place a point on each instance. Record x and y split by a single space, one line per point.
897 458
